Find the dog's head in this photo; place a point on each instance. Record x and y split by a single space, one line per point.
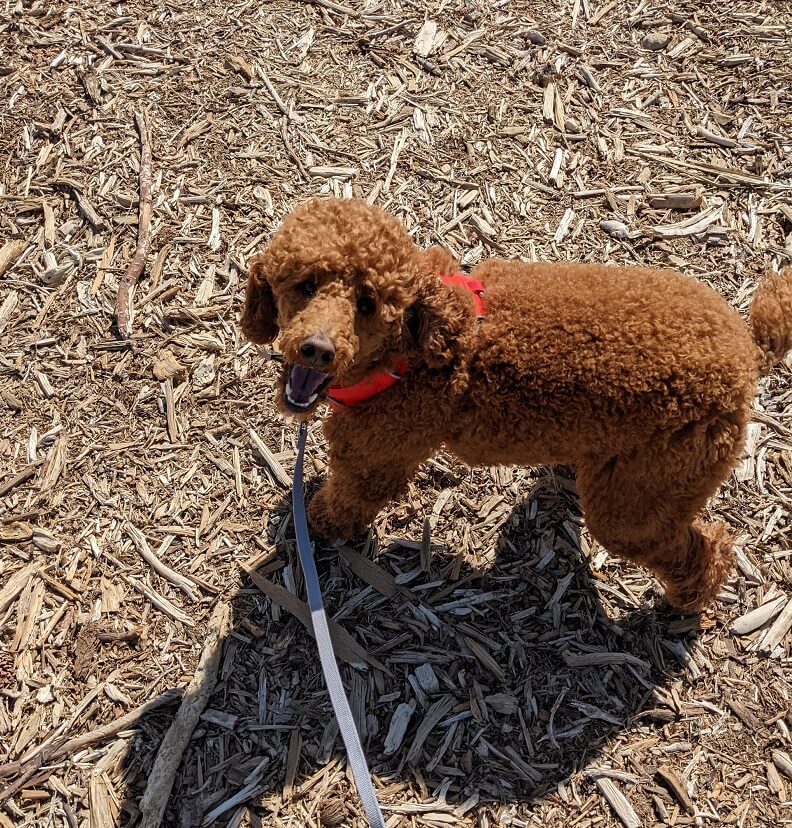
350 293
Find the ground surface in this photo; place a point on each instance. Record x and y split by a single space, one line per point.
558 684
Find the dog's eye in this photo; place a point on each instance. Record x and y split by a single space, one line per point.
365 306
307 288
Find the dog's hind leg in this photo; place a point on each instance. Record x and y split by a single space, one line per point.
644 506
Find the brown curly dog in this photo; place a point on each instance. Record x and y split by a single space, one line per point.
642 379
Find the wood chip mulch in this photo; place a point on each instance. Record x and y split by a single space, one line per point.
504 670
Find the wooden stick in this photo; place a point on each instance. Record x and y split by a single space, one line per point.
24 475
176 578
292 154
123 308
160 601
273 92
171 751
269 458
49 754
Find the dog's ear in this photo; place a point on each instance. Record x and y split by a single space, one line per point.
260 316
435 322
436 319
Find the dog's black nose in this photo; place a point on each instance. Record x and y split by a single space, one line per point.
317 351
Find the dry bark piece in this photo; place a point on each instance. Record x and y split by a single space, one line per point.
397 729
756 618
486 659
690 226
375 576
599 659
776 634
433 716
15 532
10 252
677 787
8 307
619 803
744 715
617 229
269 458
161 568
783 762
83 203
16 583
168 367
425 38
427 678
19 478
675 201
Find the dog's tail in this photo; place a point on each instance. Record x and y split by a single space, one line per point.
771 317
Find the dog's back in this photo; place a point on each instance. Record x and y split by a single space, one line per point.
617 341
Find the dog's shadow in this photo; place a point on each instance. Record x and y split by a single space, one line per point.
514 659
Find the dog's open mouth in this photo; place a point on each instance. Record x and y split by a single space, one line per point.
303 387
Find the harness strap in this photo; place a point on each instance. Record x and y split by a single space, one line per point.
324 643
475 287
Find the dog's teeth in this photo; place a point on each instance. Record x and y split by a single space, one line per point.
298 404
289 399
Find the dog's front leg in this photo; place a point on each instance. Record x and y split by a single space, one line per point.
361 480
352 495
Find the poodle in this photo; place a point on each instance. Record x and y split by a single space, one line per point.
641 379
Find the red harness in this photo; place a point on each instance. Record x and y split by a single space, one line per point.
345 396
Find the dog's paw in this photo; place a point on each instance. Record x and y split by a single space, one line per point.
330 520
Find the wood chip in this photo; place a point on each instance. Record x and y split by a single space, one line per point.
397 729
10 252
161 568
756 618
776 634
16 582
425 38
599 659
375 576
438 711
677 787
783 762
619 803
485 658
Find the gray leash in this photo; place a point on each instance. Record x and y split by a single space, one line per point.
346 724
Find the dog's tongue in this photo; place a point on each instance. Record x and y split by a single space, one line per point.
304 382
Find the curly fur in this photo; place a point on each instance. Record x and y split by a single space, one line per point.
771 317
640 378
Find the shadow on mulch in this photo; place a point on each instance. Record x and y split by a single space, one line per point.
515 732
